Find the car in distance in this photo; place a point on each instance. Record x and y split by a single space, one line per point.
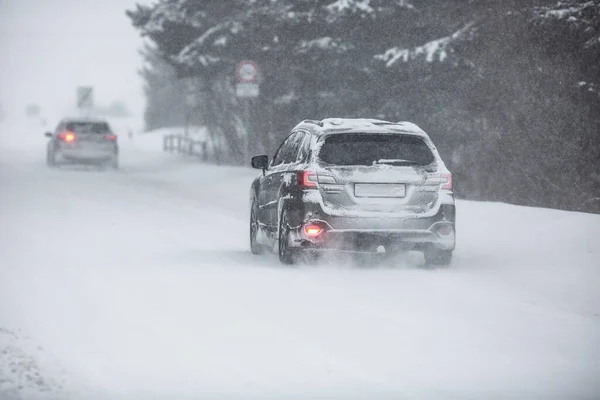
353 185
82 141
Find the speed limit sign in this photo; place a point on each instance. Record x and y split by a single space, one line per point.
247 72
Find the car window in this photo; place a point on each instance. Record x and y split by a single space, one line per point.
59 128
291 148
367 149
280 156
304 148
292 154
88 127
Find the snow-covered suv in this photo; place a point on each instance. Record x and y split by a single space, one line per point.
354 185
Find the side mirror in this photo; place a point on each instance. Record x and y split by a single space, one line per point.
48 134
260 162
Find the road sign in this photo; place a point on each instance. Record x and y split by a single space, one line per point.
247 72
247 90
85 97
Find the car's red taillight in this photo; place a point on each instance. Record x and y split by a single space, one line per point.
67 136
307 179
447 181
445 230
312 230
112 138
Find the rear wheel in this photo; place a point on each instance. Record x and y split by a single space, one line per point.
434 256
287 255
392 252
51 158
255 247
114 163
313 257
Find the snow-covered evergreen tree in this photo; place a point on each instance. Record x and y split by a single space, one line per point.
507 89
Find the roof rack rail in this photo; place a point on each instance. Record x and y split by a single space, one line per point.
381 122
313 121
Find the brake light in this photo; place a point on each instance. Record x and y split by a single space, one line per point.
67 136
447 181
445 230
307 179
312 230
112 138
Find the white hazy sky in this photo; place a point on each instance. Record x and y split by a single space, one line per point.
49 47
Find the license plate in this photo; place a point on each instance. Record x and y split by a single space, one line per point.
379 190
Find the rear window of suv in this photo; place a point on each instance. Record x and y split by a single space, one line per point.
88 127
369 148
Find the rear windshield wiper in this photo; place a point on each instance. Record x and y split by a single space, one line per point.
396 161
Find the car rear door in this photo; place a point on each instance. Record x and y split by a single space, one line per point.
268 196
361 174
280 171
92 135
53 144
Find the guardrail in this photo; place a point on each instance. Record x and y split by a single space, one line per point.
185 145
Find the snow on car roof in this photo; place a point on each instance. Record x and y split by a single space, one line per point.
344 125
84 119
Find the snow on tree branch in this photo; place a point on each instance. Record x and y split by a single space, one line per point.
326 43
589 87
165 12
435 50
350 5
363 8
583 17
571 11
363 5
216 36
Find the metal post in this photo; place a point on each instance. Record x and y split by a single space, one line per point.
248 128
187 122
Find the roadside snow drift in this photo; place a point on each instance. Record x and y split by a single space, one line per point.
138 284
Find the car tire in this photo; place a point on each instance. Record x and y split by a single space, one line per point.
437 257
255 247
51 159
394 252
114 163
287 255
313 257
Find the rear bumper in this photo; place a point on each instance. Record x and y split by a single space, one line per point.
91 154
367 234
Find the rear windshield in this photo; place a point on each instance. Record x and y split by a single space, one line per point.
88 127
369 148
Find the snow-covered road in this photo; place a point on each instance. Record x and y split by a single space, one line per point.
138 284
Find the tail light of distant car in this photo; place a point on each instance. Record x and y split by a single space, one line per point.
112 138
67 136
307 179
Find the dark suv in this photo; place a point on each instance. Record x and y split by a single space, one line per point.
354 185
82 140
